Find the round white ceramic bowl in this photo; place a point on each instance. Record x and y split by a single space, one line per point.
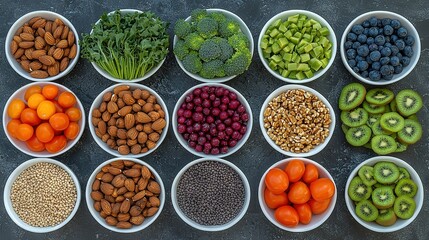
99 99
8 203
244 29
21 145
284 15
135 228
316 220
212 228
279 91
20 22
232 150
110 77
405 23
400 223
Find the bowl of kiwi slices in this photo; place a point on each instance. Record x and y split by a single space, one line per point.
384 194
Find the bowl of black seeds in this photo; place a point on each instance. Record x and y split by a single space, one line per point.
210 194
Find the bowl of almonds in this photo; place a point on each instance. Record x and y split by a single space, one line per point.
42 46
128 120
125 195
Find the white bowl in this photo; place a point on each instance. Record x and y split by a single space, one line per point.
404 22
316 220
232 150
99 99
110 77
135 228
212 228
311 15
244 29
20 22
279 91
8 203
400 223
21 145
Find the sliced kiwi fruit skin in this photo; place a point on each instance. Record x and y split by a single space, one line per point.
401 147
403 173
358 136
354 118
366 173
373 109
392 122
379 96
383 197
383 144
358 191
345 128
404 207
386 217
351 96
411 132
372 118
406 187
386 172
378 130
408 102
377 185
366 211
393 107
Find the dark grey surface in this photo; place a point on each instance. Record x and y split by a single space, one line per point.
256 84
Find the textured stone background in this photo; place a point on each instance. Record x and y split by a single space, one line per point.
256 84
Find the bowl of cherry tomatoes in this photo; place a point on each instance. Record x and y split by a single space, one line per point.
43 119
297 194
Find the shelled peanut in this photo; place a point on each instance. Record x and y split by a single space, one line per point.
129 121
43 47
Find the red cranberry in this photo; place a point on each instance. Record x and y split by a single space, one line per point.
187 114
197 127
225 100
224 143
221 127
192 144
180 112
205 89
229 131
235 117
206 151
225 92
232 96
183 106
190 106
186 136
205 127
189 98
207 145
223 107
243 130
206 103
213 131
215 151
232 143
206 111
223 115
197 91
224 149
233 104
245 117
216 103
227 122
197 117
204 95
217 121
199 148
181 120
236 126
215 111
210 119
230 112
236 135
212 97
221 135
198 109
241 109
215 142
201 134
202 140
212 89
208 137
193 137
219 91
197 101
181 128
189 129
189 122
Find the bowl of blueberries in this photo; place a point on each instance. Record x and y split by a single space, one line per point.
380 47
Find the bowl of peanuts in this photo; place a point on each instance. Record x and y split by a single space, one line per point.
128 120
297 121
42 46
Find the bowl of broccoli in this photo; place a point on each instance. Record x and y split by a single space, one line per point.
212 45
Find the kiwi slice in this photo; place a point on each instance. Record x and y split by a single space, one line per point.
383 144
387 108
386 172
403 173
392 121
406 187
377 185
379 96
393 107
411 132
351 96
345 128
383 197
366 173
368 145
374 109
408 102
354 118
378 130
372 118
404 207
366 211
401 147
386 217
393 135
413 117
358 136
358 190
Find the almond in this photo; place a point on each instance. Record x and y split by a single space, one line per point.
129 194
122 190
119 181
142 137
54 69
47 60
28 52
70 38
142 184
28 29
147 128
133 172
41 32
112 131
125 206
58 31
158 124
26 44
142 117
39 43
51 50
124 149
115 209
73 51
137 93
39 23
102 127
129 163
112 221
106 188
139 196
128 99
148 107
107 177
123 217
13 46
129 121
151 99
49 39
64 64
26 36
124 225
154 116
118 164
154 137
106 115
145 172
154 201
48 26
33 20
145 94
105 206
112 107
25 65
96 185
18 53
35 65
103 214
99 175
39 74
129 184
122 93
137 220
58 21
125 110
154 187
120 88
58 53
38 53
63 44
150 212
97 206
132 135
96 195
65 33
135 211
114 171
121 133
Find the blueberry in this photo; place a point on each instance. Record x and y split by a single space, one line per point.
348 45
408 51
375 56
363 50
395 24
393 38
356 45
380 31
351 53
409 40
385 52
357 29
373 22
373 47
364 74
379 40
365 31
376 65
388 77
398 69
368 60
373 31
402 32
394 49
351 63
405 61
387 39
365 24
399 55
370 40
380 48
388 45
359 58
362 65
400 44
362 38
384 60
351 36
388 30
385 21
394 61
385 70
374 75
356 69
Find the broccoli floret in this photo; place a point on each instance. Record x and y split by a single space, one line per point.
180 49
194 41
225 49
192 63
209 50
238 63
239 41
182 28
212 69
207 27
228 28
218 16
198 14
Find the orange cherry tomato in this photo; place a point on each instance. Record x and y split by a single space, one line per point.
276 180
12 127
24 132
295 169
59 121
74 114
31 90
299 193
29 116
57 144
72 131
318 207
286 215
16 106
50 91
44 132
274 201
304 212
46 109
58 108
34 144
311 173
35 100
322 189
66 99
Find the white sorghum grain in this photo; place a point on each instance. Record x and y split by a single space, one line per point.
43 195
